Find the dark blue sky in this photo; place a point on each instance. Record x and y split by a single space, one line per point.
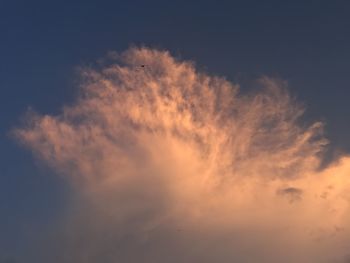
42 42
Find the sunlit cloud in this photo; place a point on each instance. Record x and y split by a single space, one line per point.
174 165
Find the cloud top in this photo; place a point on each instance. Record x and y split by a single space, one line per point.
175 165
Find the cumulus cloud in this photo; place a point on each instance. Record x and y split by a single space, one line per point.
173 165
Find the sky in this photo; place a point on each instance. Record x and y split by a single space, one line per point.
46 47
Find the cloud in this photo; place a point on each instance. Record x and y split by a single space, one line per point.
292 193
173 165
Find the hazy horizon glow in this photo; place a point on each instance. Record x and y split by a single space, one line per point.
174 165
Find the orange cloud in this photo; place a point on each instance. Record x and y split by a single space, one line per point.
174 165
